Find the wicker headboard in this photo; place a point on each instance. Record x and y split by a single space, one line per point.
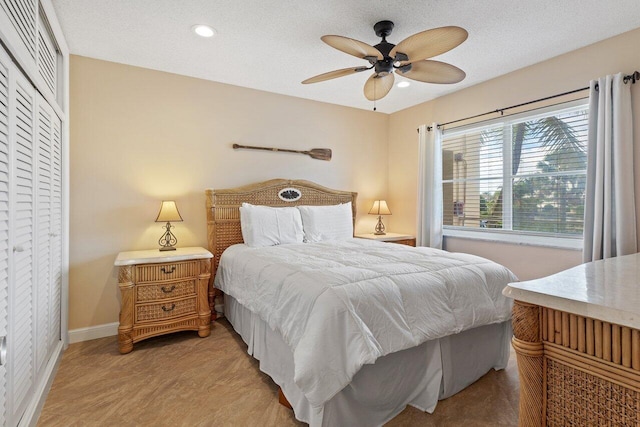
223 213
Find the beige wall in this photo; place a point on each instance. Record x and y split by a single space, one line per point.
139 136
560 74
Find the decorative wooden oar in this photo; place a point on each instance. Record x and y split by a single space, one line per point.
315 153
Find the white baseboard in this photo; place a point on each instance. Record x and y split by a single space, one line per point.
93 332
109 329
32 412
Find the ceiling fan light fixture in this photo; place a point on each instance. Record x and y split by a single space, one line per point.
203 30
403 84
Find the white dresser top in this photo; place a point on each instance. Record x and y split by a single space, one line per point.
389 237
607 290
154 256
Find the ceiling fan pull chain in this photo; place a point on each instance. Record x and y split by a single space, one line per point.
374 95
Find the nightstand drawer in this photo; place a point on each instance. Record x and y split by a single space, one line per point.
168 271
408 242
165 310
159 291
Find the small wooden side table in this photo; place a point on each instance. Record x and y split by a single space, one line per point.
163 292
402 239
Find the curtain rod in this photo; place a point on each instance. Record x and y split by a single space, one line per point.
634 77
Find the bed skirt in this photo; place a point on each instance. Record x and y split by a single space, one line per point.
418 376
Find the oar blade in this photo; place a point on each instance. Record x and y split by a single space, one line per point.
320 153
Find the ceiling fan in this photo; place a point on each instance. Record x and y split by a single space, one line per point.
409 58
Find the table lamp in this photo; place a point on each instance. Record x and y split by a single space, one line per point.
168 212
380 208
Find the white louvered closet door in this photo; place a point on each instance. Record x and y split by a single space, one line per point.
5 172
22 15
46 61
22 309
44 120
49 231
31 204
55 300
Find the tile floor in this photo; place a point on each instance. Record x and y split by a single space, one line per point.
183 380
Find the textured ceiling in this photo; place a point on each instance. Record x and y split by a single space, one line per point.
273 45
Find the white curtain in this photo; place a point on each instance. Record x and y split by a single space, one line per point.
429 227
610 218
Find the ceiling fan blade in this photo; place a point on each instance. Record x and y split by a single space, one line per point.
427 44
334 74
433 72
352 47
378 87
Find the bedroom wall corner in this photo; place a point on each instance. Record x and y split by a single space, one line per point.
139 136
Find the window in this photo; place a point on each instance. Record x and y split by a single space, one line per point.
524 174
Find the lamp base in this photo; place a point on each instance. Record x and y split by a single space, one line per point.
379 230
168 241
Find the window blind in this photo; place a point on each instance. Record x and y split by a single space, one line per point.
521 174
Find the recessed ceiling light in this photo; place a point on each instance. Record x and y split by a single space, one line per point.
204 30
403 84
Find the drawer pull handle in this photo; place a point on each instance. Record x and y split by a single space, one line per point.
169 309
165 271
168 291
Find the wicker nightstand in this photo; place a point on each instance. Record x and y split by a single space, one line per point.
402 239
163 292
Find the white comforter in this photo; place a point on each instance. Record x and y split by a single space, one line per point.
340 305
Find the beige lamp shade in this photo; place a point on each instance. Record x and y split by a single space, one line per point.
380 208
168 212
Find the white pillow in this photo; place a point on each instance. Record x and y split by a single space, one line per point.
321 223
267 226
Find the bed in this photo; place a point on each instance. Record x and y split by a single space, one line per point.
335 344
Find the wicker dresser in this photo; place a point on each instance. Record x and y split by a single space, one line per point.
577 339
163 292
